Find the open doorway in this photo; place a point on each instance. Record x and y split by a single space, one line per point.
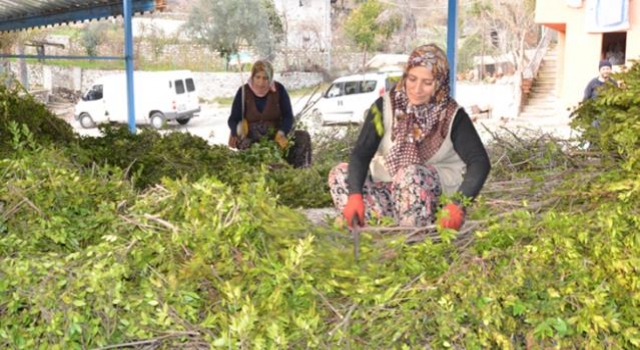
614 47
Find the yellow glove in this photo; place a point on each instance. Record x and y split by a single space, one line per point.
281 139
242 130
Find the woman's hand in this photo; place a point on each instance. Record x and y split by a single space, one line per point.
452 217
233 141
354 210
281 139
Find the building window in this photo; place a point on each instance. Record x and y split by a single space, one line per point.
614 47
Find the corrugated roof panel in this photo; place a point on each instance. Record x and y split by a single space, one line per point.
22 14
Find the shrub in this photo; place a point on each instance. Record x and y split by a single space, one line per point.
192 261
616 112
149 156
17 106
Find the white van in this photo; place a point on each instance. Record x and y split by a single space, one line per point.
158 97
348 98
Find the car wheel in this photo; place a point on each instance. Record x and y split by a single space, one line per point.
86 121
157 120
183 121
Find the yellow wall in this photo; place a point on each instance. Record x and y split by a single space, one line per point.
633 35
582 55
554 11
579 51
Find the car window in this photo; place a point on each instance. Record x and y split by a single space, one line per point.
191 87
94 94
179 87
367 86
351 87
335 90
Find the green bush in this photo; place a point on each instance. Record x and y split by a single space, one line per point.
17 106
89 262
148 156
617 113
203 254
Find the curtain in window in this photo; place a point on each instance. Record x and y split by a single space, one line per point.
603 16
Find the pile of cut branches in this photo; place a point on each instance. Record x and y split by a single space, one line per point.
527 169
547 258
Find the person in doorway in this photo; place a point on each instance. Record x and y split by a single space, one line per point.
415 145
604 77
262 108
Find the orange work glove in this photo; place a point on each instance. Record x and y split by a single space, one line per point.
233 141
452 216
354 209
281 139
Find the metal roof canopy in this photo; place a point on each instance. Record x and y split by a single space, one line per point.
25 14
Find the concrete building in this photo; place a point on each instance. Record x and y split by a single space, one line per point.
588 31
307 24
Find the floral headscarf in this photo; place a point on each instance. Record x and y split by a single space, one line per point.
419 130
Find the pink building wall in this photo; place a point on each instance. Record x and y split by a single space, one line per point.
579 51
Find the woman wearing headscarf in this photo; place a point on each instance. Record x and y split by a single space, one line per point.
415 145
262 108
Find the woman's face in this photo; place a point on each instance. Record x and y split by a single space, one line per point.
260 83
419 85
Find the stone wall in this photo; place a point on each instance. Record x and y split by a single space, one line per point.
209 85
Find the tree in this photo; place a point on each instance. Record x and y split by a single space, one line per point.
511 25
365 26
156 37
92 36
402 17
225 25
7 40
467 47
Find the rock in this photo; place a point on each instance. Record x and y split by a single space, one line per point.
320 216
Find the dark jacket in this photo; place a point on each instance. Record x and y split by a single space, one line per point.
591 91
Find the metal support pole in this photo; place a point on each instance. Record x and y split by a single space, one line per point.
452 43
327 33
128 58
